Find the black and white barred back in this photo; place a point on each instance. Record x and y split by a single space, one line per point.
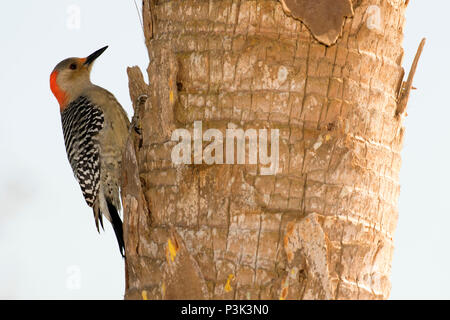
81 122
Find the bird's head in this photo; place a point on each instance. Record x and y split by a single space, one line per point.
71 76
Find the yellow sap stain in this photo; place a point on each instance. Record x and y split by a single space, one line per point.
144 295
284 289
172 250
163 289
170 90
228 287
283 294
327 137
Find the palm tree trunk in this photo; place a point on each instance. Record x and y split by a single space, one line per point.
322 226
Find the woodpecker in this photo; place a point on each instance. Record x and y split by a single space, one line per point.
95 127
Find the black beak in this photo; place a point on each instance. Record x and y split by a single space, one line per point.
90 58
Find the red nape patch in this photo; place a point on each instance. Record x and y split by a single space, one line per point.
57 91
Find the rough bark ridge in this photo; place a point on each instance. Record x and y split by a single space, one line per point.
322 227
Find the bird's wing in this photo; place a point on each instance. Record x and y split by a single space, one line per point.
81 122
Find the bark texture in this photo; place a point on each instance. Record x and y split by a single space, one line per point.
322 226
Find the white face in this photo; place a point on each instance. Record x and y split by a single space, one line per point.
72 72
72 77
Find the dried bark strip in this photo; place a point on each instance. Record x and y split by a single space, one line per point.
405 90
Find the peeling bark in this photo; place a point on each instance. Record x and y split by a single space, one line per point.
183 278
324 18
322 226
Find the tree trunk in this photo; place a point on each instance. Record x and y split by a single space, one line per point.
321 227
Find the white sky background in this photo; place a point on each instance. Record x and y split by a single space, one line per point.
45 225
48 240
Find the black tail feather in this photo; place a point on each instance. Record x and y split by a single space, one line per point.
117 226
101 221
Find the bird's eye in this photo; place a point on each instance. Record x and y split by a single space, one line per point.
73 66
